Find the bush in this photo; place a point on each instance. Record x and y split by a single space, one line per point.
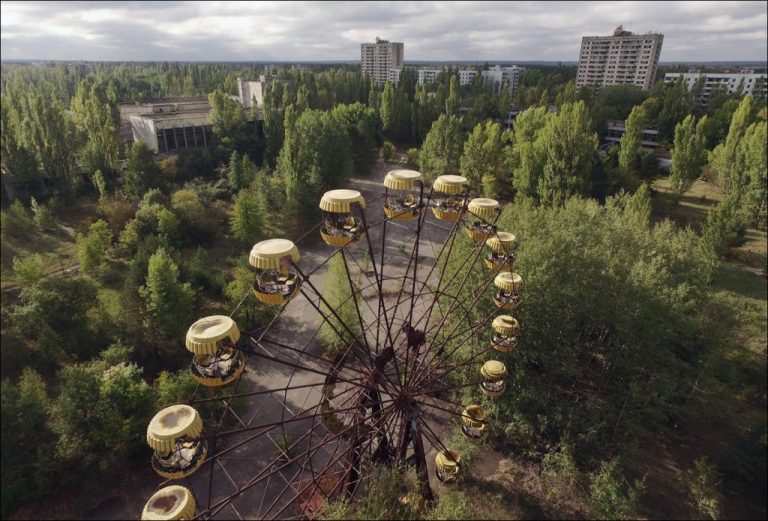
612 497
704 482
42 215
412 157
28 269
388 151
16 221
92 248
117 211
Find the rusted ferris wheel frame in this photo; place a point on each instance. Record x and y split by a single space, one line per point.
393 423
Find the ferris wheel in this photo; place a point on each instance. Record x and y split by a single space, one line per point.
296 428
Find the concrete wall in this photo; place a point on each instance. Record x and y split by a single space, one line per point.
144 130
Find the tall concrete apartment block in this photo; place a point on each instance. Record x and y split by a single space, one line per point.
623 58
377 58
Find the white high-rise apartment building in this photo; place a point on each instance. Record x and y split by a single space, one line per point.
498 75
623 58
755 84
377 58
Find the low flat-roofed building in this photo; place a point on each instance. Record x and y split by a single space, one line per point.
168 127
616 128
170 132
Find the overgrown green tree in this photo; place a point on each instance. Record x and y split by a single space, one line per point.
94 118
524 159
227 119
57 309
315 158
452 101
482 160
441 152
142 172
27 442
688 155
235 172
333 336
101 413
93 247
726 161
251 312
168 302
676 106
20 174
631 142
570 149
28 269
704 482
363 129
248 216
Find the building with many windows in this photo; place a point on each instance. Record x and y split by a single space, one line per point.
466 76
498 76
745 82
376 59
621 59
427 75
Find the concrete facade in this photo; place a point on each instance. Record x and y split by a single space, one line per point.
755 84
167 127
428 75
250 91
498 75
467 76
376 59
616 128
621 59
393 75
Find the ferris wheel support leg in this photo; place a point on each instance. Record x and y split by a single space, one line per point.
421 464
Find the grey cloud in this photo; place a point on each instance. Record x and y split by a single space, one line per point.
333 30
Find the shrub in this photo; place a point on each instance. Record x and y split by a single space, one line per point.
704 482
28 269
388 151
412 157
42 215
612 497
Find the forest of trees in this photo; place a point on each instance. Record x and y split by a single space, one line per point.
87 359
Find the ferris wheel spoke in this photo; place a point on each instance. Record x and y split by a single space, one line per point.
433 438
442 321
335 315
452 240
262 476
452 336
272 470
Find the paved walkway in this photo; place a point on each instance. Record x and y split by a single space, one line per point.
295 328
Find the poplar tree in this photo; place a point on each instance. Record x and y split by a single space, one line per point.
688 155
93 117
631 142
569 152
726 161
452 101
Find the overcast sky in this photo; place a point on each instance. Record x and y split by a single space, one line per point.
295 31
